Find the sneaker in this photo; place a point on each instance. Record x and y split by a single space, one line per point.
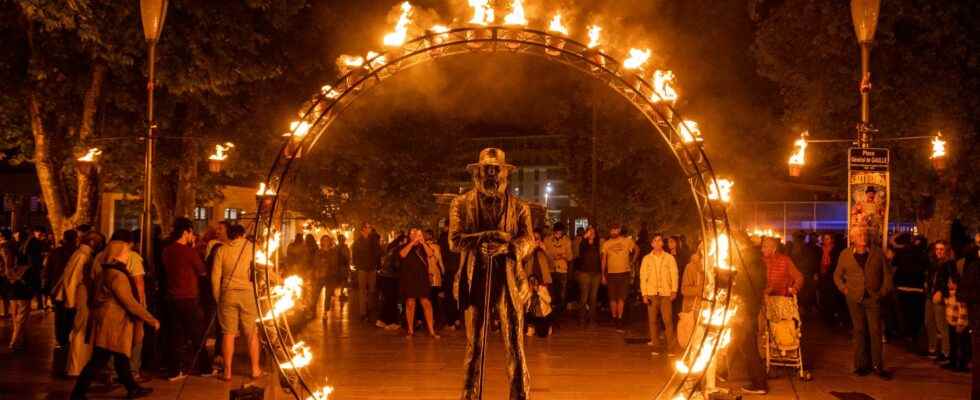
752 389
177 377
393 327
380 324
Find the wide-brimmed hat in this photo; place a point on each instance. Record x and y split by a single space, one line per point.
491 156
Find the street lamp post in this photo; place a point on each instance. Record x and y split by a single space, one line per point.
864 14
152 13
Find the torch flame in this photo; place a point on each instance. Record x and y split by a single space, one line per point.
799 158
90 155
594 32
637 58
302 356
220 151
689 131
265 191
299 129
322 394
719 316
719 251
482 12
348 61
397 38
329 92
720 189
375 60
663 86
557 26
439 29
516 16
938 146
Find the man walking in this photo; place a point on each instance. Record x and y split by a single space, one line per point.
366 258
658 285
232 286
54 267
864 279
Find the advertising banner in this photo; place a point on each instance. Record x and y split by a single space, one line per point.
868 194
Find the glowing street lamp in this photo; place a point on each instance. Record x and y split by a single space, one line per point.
798 159
152 13
864 15
938 156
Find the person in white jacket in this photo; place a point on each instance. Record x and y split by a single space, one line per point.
72 290
658 284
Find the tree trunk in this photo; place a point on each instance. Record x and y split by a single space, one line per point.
53 189
174 189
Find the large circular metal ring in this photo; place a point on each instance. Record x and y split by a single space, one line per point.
711 330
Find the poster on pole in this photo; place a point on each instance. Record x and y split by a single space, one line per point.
868 194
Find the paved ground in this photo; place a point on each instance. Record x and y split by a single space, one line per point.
364 362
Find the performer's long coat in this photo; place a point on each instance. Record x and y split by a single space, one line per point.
464 237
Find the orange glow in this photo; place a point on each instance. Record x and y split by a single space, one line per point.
594 32
557 26
689 131
637 58
397 38
220 151
516 16
938 146
799 157
482 12
663 86
90 155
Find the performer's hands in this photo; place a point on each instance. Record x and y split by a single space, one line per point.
496 236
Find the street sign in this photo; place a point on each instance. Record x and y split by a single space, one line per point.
868 194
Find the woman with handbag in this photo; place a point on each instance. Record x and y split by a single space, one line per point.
115 323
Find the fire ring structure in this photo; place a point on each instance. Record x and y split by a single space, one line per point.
711 332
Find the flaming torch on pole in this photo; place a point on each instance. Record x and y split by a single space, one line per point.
798 159
219 156
938 156
87 161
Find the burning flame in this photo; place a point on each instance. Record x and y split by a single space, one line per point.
663 86
516 16
719 317
720 189
329 92
265 191
220 151
350 61
768 232
557 26
482 12
284 297
261 254
938 146
299 129
322 394
719 250
637 58
689 131
439 29
799 158
594 32
90 155
375 60
302 356
397 38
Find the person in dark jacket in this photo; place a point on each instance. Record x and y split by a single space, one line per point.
54 267
910 277
366 254
937 279
968 292
750 282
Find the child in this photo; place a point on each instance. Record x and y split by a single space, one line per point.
959 329
539 310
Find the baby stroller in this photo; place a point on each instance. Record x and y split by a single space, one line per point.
782 335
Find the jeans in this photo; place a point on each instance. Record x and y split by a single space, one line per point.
660 306
21 312
866 318
100 357
64 317
936 326
185 326
588 287
910 313
559 287
366 292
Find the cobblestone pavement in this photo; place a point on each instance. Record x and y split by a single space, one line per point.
364 362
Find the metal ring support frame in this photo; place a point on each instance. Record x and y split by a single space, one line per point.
717 303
